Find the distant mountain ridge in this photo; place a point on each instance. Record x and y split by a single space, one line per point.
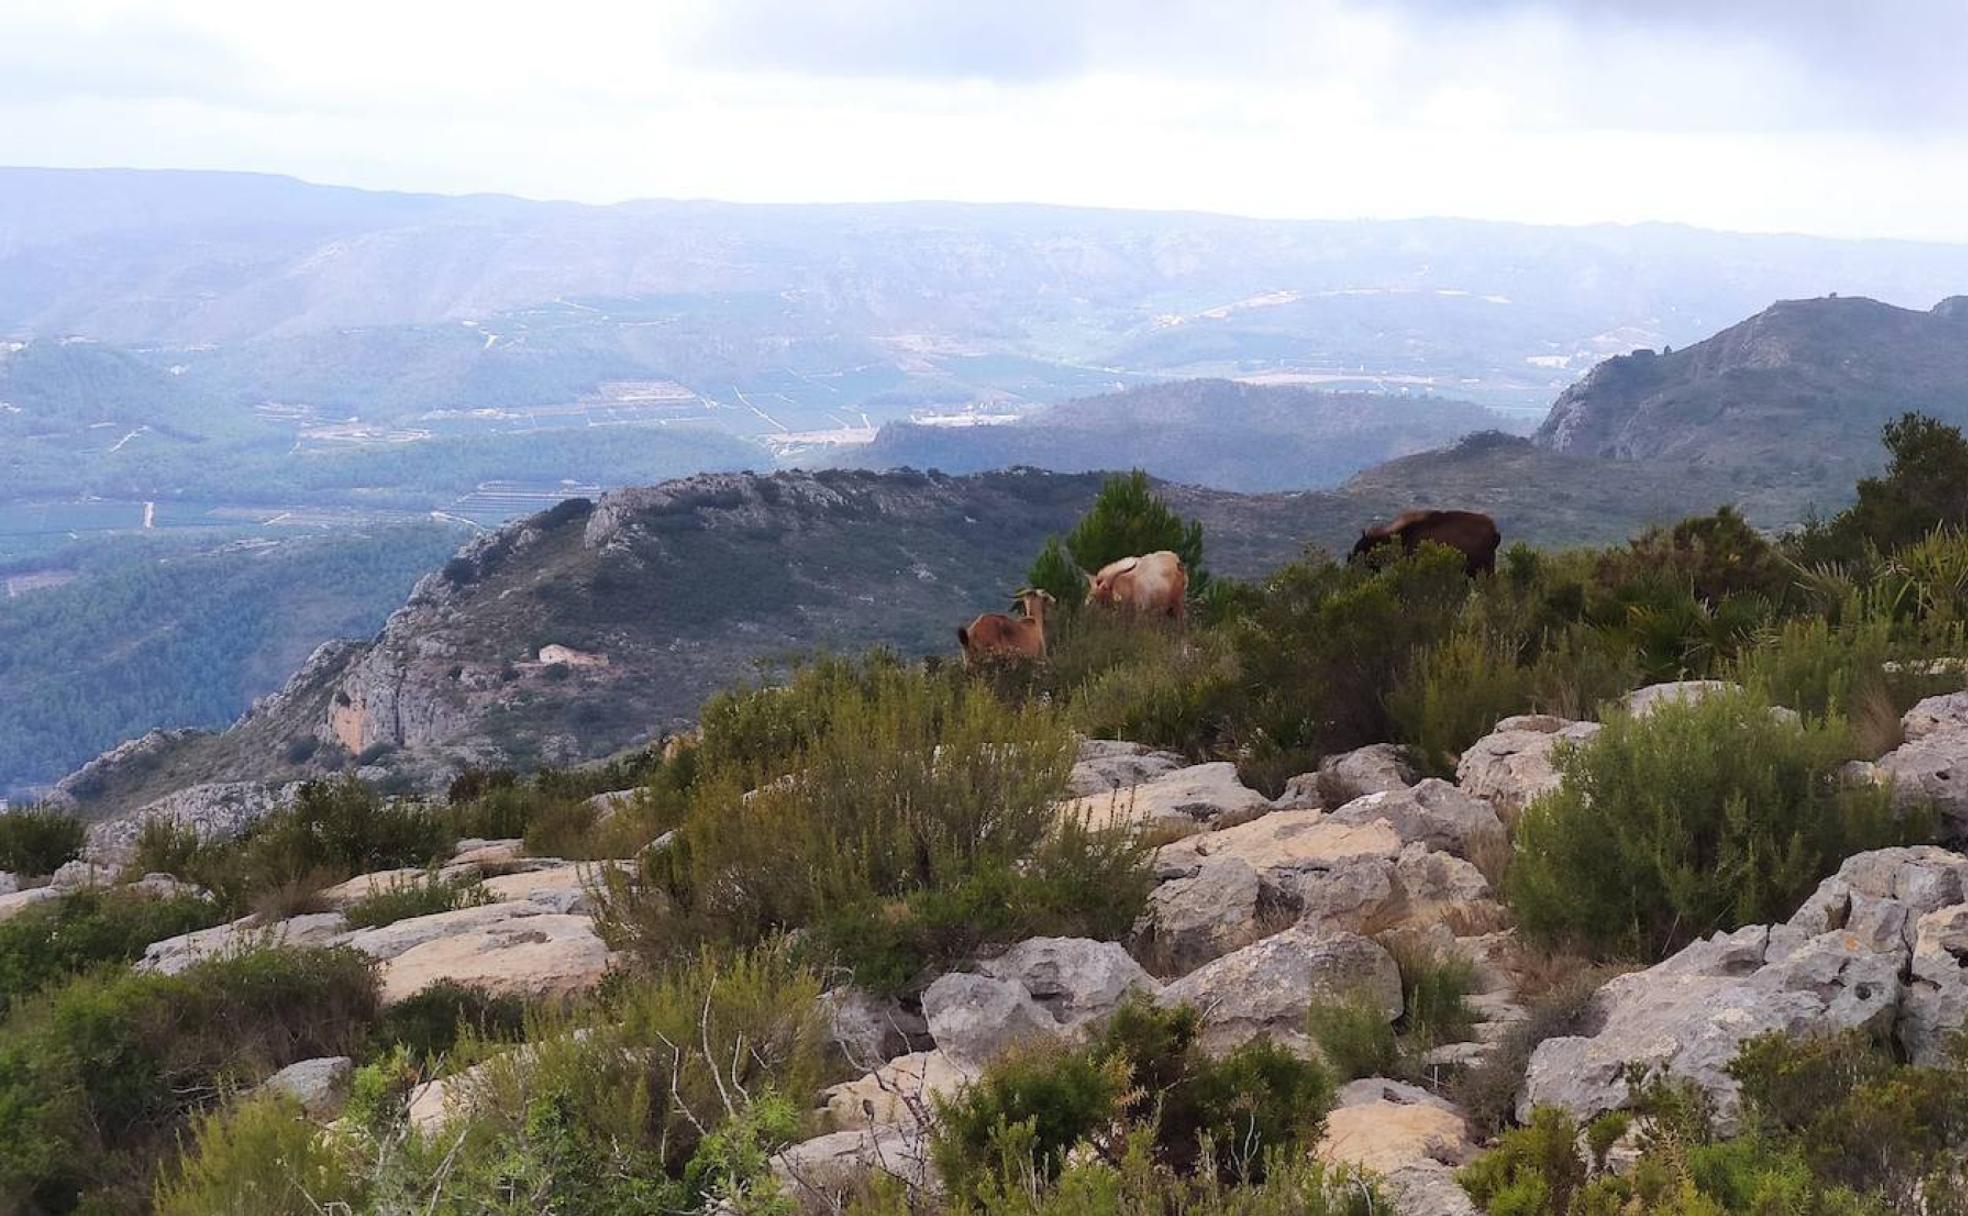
1803 383
1221 433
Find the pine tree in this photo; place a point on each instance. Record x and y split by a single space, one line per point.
1127 518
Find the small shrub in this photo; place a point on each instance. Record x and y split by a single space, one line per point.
428 1024
403 900
1435 986
49 942
1455 693
98 1075
1487 1092
262 1157
1025 1114
1354 1038
1704 815
38 841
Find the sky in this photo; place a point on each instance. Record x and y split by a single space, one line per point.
1822 116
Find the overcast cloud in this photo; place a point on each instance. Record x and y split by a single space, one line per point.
1776 115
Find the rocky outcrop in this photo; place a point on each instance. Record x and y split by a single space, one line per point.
319 1086
1847 959
17 902
176 954
1184 800
902 1091
1513 765
1048 988
1374 864
215 811
1411 1139
1105 765
819 1173
1267 989
869 1029
1341 778
1932 765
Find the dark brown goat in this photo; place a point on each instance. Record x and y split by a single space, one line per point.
1474 533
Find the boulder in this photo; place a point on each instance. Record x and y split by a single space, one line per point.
214 811
1267 988
490 854
1513 765
1189 921
1643 701
1433 813
1186 799
565 888
385 942
13 904
1075 979
79 875
1836 965
607 805
319 1086
535 957
901 1091
871 1029
1225 889
164 886
823 1172
975 1018
1936 1005
1933 768
175 954
1377 768
1106 765
362 886
1936 716
9 883
1409 1137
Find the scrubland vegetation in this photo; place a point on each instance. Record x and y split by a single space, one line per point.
882 822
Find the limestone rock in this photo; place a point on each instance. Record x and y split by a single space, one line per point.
820 1172
871 1029
1937 990
164 886
1934 767
1189 921
1836 965
1513 765
362 886
901 1091
9 883
1187 798
1643 701
1935 716
1075 979
215 811
539 956
565 888
14 904
175 954
1268 987
1412 1139
1374 769
1433 813
488 853
1105 765
320 1086
975 1018
79 875
613 802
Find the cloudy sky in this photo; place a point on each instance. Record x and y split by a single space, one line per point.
1846 117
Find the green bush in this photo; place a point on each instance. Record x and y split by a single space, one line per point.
1128 519
906 783
1921 490
1435 987
1831 1126
50 941
1455 693
1143 1083
1354 1038
261 1157
428 1024
402 900
36 840
99 1075
1701 816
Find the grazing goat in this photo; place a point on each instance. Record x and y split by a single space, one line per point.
995 635
1472 532
1153 584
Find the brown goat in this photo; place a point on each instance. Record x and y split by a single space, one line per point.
1153 584
996 635
1474 533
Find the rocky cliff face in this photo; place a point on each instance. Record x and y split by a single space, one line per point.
1802 383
